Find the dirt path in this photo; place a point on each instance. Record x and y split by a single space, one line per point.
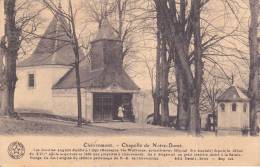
44 126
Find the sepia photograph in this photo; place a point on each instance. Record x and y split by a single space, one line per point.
129 67
130 80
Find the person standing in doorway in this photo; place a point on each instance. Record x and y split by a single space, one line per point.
121 112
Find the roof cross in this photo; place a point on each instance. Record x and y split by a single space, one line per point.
59 6
233 78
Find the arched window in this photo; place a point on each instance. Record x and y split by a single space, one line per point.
234 107
245 107
222 106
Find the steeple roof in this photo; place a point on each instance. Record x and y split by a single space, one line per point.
110 78
106 31
233 94
53 48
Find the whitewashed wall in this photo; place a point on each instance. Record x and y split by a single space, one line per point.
65 102
40 97
233 120
88 112
136 102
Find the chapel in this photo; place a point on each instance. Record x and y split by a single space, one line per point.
47 77
233 111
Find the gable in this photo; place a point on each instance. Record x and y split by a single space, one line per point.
232 94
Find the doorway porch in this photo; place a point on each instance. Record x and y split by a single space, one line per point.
105 106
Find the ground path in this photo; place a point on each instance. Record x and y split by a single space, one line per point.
47 126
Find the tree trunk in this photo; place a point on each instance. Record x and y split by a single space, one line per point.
79 103
4 105
183 101
156 105
194 123
120 8
78 92
76 53
13 43
120 19
156 93
177 43
254 63
164 86
2 92
195 93
11 81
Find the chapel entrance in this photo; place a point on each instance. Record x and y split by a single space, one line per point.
105 106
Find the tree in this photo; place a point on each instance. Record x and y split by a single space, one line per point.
97 10
213 86
183 114
161 92
254 64
18 18
150 26
69 26
160 87
192 42
12 35
156 92
2 54
178 42
164 84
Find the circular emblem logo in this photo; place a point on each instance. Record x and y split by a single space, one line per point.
16 150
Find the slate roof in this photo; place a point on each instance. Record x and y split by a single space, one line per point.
110 78
97 79
53 48
106 31
232 94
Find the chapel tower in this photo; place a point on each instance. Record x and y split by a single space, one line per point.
106 48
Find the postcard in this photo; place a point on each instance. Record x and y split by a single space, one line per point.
129 83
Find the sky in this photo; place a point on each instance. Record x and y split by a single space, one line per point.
223 20
140 75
